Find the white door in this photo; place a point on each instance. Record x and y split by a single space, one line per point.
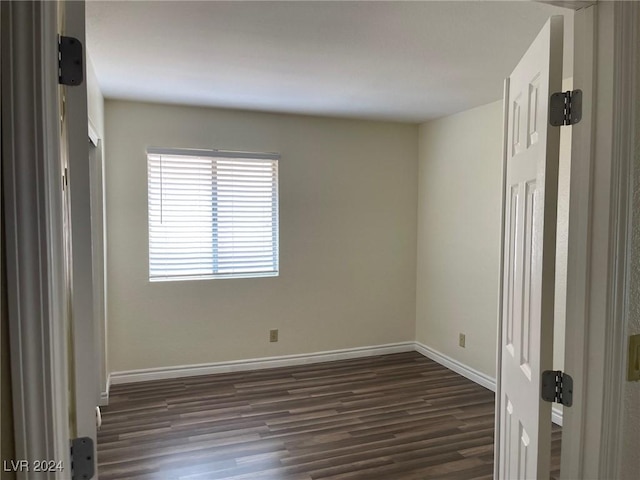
83 348
529 244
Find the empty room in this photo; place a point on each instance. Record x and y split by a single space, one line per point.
354 228
328 241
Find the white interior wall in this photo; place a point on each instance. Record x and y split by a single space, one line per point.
458 238
348 199
457 277
459 202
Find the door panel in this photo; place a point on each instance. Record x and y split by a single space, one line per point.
529 258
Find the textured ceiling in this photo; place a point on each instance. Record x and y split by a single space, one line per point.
406 61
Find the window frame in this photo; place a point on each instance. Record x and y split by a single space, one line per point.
275 212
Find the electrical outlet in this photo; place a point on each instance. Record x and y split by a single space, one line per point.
462 340
273 335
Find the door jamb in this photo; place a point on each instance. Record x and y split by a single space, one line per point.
34 247
599 228
579 239
84 348
626 23
93 134
100 327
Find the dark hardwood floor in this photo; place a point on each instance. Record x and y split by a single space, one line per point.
391 417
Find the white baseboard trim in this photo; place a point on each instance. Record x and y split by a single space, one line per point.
163 373
556 415
474 375
104 396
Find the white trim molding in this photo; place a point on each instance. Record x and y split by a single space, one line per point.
94 138
452 364
606 51
75 127
33 219
579 241
625 98
472 374
104 395
162 373
556 415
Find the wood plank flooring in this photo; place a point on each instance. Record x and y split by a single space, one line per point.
391 417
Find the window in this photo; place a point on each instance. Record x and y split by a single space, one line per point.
212 214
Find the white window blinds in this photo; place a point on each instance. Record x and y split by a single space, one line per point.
212 214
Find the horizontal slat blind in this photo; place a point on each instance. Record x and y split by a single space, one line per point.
212 215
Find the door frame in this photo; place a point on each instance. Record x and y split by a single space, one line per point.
100 290
599 232
605 57
599 222
33 218
87 389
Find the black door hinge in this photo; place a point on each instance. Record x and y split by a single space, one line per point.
70 61
565 108
557 387
82 459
